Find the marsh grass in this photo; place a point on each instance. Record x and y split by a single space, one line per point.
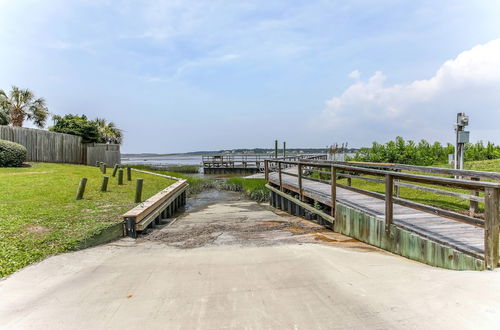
253 188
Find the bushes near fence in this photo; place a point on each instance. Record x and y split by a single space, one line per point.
12 154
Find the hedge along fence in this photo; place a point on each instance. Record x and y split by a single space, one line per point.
52 147
11 153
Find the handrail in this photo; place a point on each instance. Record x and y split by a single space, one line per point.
491 223
450 182
422 169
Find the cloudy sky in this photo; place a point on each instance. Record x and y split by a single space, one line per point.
208 75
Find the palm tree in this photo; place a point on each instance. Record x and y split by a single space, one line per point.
108 131
19 105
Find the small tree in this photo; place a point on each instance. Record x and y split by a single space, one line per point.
108 131
77 125
21 104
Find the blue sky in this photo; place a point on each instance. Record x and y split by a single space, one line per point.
207 75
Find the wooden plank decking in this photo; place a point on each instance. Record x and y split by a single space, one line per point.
460 236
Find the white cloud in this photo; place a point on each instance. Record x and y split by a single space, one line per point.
355 74
423 108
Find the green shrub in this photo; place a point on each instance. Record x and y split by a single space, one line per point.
12 154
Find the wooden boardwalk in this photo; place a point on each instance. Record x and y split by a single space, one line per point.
460 236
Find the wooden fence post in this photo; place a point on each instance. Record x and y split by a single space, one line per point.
138 190
266 169
300 182
81 189
104 185
389 190
129 174
120 176
333 189
491 227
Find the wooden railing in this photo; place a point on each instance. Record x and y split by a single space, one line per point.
391 176
249 160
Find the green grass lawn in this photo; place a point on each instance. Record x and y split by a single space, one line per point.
39 215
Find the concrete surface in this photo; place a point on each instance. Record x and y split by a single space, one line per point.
292 276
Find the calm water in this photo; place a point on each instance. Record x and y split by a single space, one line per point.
173 160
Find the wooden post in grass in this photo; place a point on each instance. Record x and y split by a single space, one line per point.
104 185
103 168
81 189
115 168
138 190
120 176
129 174
97 163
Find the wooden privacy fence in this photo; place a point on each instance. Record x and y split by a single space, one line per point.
45 146
101 152
391 176
52 147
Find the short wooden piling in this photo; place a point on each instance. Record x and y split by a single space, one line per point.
120 176
103 168
104 184
81 189
129 174
115 169
138 190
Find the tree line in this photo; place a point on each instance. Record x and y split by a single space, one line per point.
19 105
423 153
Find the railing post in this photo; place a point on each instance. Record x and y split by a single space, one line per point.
491 227
389 190
474 205
300 182
396 187
279 175
266 169
333 189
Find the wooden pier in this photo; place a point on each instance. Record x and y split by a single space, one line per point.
246 163
421 232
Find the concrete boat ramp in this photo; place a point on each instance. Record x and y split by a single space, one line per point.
233 264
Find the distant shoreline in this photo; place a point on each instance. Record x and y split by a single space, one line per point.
236 151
